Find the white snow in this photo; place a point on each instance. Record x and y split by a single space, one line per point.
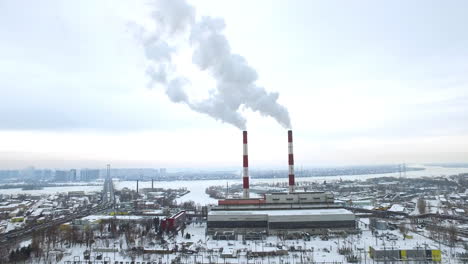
397 208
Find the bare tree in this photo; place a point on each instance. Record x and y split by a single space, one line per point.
36 244
53 235
89 235
4 255
403 229
112 227
452 234
422 206
101 227
66 232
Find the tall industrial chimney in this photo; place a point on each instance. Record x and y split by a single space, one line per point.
292 183
245 175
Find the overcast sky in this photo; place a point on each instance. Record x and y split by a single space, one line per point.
365 82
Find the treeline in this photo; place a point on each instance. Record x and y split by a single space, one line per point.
20 254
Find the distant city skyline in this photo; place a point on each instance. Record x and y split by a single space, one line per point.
364 83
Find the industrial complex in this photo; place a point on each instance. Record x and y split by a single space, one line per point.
341 221
278 213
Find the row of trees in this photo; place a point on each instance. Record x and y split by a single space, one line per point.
20 254
57 237
447 234
444 233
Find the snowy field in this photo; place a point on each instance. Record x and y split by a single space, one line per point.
296 251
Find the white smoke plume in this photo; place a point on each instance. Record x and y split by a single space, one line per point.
235 79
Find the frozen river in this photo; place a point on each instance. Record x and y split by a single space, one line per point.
197 188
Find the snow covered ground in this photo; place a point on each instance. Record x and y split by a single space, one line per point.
296 251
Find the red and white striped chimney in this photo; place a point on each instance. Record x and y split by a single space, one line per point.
292 183
245 174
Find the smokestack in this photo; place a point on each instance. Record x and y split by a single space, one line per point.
245 174
137 186
292 183
152 184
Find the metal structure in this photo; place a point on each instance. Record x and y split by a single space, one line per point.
108 194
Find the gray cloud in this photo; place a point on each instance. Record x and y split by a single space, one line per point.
175 90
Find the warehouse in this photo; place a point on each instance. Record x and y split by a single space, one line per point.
280 221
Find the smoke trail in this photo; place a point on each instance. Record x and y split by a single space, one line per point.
235 79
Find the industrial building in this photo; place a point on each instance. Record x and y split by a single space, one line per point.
273 200
280 221
278 213
174 222
281 200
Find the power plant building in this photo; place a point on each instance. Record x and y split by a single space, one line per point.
280 221
278 213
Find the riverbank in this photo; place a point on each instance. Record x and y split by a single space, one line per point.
197 188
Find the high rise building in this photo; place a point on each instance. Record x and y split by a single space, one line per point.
72 175
47 174
28 172
89 175
162 172
38 175
61 176
9 173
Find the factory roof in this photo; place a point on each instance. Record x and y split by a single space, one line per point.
288 193
338 211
